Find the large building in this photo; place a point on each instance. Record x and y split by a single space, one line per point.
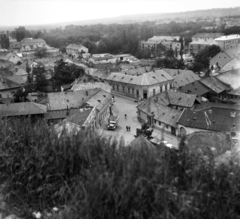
76 50
202 40
230 41
142 86
29 45
169 42
218 118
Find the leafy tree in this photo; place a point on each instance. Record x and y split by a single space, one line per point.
40 81
20 33
5 41
41 52
197 67
204 56
21 94
169 53
65 73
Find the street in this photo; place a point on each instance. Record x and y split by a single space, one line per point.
125 105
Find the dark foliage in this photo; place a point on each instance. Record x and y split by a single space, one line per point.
95 179
65 73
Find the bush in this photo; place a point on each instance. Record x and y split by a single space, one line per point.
89 177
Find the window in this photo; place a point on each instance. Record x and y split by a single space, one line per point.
155 121
160 89
154 91
129 90
167 126
159 123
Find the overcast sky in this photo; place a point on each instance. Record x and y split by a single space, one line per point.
25 12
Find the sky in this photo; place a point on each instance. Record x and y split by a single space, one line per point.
29 12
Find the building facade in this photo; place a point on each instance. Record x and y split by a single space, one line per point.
169 42
142 86
75 50
29 45
202 40
227 42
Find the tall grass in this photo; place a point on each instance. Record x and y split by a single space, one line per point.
89 177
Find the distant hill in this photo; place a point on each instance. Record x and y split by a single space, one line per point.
215 12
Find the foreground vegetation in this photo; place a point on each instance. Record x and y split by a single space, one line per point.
89 177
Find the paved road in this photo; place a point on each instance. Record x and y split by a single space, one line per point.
122 106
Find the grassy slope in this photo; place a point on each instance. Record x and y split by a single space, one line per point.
96 180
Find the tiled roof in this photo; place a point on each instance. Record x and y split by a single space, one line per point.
168 98
60 114
6 83
182 77
161 38
6 64
231 65
181 99
167 115
235 92
222 58
64 100
75 46
202 42
231 78
195 87
229 37
207 105
149 78
99 99
102 58
214 119
233 52
20 109
214 84
79 118
4 72
87 86
30 41
17 79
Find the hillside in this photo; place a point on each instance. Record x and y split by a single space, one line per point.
215 12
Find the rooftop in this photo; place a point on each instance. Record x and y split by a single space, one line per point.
64 100
214 84
182 77
92 85
232 64
229 37
202 42
150 78
195 87
6 83
21 109
31 40
231 78
80 117
75 46
214 119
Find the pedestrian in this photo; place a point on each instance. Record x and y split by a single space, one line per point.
125 116
127 128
